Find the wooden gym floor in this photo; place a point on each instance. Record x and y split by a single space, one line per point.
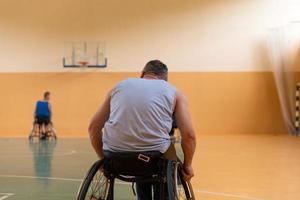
227 167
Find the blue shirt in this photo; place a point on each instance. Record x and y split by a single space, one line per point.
42 109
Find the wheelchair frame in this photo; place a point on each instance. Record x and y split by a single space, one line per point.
171 176
36 131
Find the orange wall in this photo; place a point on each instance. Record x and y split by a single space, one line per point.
220 102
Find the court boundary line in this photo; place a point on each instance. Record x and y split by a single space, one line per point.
69 152
240 196
6 195
40 177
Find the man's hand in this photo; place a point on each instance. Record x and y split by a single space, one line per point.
188 172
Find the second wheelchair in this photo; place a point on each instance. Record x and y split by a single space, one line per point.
43 131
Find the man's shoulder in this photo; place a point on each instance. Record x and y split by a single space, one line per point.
127 80
140 82
120 85
42 102
123 82
170 85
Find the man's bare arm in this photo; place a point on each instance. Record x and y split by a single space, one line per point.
96 125
34 114
184 122
50 109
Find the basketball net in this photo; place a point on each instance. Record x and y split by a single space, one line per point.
84 60
83 64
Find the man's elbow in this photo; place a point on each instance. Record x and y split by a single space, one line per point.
91 129
190 136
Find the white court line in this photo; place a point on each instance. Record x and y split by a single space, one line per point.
226 195
41 177
6 195
52 178
239 196
56 154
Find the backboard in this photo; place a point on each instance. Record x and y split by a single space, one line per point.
84 54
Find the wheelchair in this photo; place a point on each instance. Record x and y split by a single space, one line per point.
139 167
37 131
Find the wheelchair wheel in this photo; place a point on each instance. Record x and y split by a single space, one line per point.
51 135
54 133
34 132
95 186
31 134
178 189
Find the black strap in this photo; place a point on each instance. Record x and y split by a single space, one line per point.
133 190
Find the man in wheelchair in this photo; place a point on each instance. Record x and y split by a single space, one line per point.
133 125
42 115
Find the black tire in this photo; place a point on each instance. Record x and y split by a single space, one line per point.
178 189
95 185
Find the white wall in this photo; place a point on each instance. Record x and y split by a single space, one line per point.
193 35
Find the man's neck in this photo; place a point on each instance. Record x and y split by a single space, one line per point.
150 76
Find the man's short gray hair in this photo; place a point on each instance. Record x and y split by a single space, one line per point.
156 67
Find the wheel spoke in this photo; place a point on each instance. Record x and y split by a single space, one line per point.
98 187
180 190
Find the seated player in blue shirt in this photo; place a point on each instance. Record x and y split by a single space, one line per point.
43 114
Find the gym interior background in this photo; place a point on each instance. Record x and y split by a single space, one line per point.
217 54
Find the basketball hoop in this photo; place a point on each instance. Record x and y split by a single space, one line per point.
83 60
84 55
83 63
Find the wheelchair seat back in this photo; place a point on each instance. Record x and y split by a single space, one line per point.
137 164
